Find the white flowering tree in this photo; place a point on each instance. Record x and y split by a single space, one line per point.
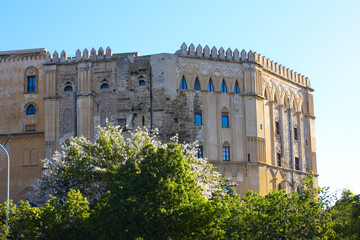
83 165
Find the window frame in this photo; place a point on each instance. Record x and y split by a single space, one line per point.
183 83
197 86
32 111
223 86
211 86
198 117
277 127
236 88
31 88
226 153
297 163
225 116
296 135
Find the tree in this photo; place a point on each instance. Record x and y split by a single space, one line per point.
54 220
346 216
281 215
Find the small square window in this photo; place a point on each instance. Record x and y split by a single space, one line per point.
226 153
278 157
200 153
297 163
225 120
198 119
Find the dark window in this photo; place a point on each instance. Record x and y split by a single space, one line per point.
104 86
176 120
297 163
223 87
142 83
31 110
210 86
278 157
225 120
197 85
226 153
198 119
143 120
237 88
200 153
280 186
266 96
183 84
277 126
68 88
249 157
31 84
296 137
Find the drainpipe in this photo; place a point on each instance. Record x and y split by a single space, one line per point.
151 102
75 102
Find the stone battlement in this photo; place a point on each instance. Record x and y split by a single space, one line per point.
243 56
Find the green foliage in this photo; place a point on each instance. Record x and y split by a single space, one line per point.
346 216
158 198
279 215
55 220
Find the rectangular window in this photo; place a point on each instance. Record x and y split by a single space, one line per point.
143 120
200 153
297 163
226 153
278 157
198 119
31 84
296 137
249 157
225 120
176 121
277 125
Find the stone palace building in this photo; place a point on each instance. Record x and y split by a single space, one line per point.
253 118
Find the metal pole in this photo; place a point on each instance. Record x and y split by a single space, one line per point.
8 188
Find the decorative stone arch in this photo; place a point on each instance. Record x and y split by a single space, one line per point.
27 192
31 103
275 96
67 86
266 89
227 83
178 82
31 71
208 82
240 81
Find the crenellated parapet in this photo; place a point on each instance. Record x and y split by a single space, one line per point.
243 56
22 55
101 54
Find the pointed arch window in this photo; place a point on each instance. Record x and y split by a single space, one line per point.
223 87
104 86
197 85
237 88
31 110
210 86
183 84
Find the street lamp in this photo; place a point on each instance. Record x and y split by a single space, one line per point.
8 187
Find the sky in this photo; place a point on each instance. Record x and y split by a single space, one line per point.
319 39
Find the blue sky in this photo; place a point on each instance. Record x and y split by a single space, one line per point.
320 39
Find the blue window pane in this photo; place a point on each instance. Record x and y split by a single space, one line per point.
198 119
68 89
31 110
104 86
223 87
31 84
226 153
225 121
183 84
142 83
200 152
210 86
197 85
237 88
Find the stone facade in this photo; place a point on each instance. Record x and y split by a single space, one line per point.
254 121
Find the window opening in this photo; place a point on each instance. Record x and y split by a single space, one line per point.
210 86
249 157
277 126
226 153
237 88
200 153
278 157
197 85
183 84
225 120
198 119
104 86
176 120
296 136
297 163
142 83
68 88
223 87
31 84
31 110
143 120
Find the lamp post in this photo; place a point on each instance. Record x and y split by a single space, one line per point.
8 187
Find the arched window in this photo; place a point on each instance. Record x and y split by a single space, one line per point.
197 85
236 88
226 152
31 110
210 86
31 74
104 86
68 88
142 83
223 87
183 84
